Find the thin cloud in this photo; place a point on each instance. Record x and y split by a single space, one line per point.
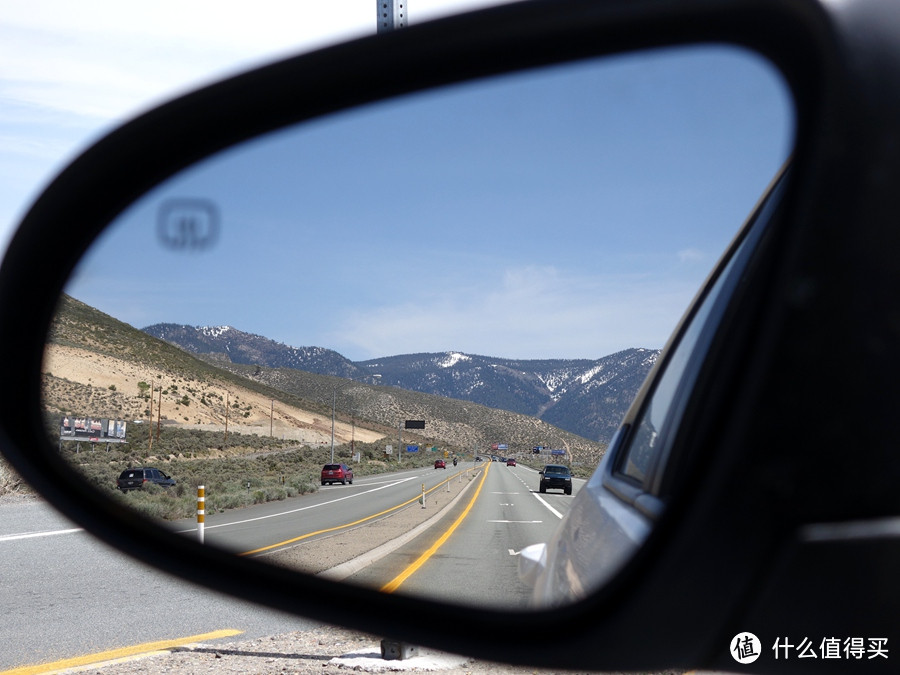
691 255
533 313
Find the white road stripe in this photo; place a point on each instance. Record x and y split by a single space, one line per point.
305 508
32 535
544 502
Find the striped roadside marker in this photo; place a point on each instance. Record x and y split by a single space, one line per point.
201 511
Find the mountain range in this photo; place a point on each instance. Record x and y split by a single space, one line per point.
583 396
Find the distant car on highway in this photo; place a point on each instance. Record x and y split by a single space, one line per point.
511 461
137 478
440 464
337 473
556 477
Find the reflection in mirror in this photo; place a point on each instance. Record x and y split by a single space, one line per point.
366 335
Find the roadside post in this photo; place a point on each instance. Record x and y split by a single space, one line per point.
201 511
423 495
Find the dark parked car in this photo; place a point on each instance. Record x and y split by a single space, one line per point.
337 473
440 464
556 477
135 479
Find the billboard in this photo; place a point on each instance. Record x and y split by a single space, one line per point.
414 424
95 429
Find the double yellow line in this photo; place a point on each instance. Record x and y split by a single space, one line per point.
117 654
394 584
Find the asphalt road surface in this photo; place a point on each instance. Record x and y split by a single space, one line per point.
478 561
64 594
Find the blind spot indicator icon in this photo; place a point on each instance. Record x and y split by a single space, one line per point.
188 224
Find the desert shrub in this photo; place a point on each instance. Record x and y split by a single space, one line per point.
10 481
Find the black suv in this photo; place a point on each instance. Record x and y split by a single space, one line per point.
135 479
556 477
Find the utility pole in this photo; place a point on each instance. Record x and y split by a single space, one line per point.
333 401
150 425
392 14
158 413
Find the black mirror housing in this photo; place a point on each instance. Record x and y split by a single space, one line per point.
753 510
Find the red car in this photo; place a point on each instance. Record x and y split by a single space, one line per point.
440 464
337 473
510 462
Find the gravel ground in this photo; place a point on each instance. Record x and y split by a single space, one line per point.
326 651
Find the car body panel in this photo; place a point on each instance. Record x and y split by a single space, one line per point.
573 564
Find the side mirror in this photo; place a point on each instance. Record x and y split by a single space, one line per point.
296 191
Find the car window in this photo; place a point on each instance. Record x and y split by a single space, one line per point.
670 392
643 448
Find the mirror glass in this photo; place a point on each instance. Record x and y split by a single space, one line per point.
365 336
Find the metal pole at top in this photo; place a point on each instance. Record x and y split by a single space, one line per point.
392 14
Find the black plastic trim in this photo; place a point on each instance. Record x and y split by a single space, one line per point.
673 604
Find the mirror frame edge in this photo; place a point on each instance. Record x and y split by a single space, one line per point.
506 38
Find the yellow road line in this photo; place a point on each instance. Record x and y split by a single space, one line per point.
394 584
124 652
346 525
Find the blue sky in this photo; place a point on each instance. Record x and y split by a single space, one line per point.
570 213
69 71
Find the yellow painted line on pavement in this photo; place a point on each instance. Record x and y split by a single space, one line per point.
394 584
294 540
113 654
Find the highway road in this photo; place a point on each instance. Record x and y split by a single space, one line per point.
333 506
64 594
478 562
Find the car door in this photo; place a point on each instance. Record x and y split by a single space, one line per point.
616 511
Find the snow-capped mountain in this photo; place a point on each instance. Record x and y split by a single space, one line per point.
586 397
